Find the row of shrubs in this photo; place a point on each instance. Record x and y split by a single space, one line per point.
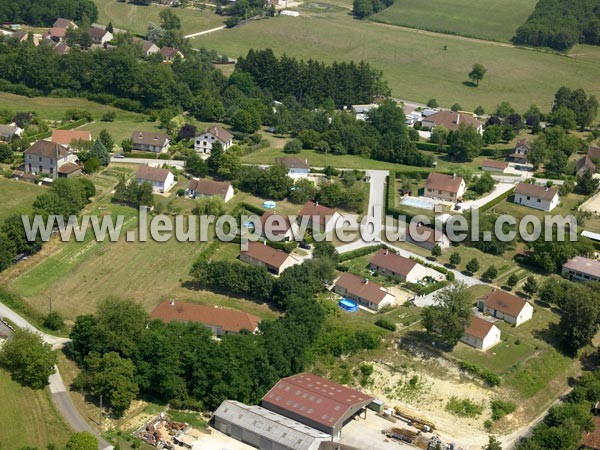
496 200
431 147
490 378
426 290
360 252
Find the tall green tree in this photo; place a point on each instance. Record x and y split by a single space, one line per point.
464 143
106 139
477 73
83 440
450 314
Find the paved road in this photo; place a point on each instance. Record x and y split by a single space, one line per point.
151 162
498 190
59 393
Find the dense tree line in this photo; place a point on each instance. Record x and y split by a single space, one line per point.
43 13
365 8
560 24
133 193
311 82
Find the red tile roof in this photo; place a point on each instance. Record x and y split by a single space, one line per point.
311 209
536 191
149 173
443 182
228 319
65 137
369 290
504 302
315 398
277 225
208 187
293 163
452 120
592 439
266 254
219 132
69 168
394 263
479 327
494 164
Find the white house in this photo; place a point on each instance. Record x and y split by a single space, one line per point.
209 188
581 269
147 141
449 188
366 293
320 218
451 121
276 227
508 307
297 167
427 237
481 334
45 157
149 47
393 265
490 165
522 149
8 132
203 143
100 36
537 197
161 179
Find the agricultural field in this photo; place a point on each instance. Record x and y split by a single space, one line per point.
487 19
28 417
415 63
17 197
135 18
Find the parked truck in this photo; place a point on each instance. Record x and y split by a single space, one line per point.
402 434
414 420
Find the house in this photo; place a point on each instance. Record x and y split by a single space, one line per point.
64 23
148 141
161 179
508 307
149 47
45 157
490 165
580 268
56 34
8 132
427 237
264 429
451 121
275 261
390 264
366 293
297 167
65 137
69 170
276 227
220 321
591 439
20 36
584 164
522 149
449 188
481 334
208 188
316 402
203 143
100 36
361 111
319 217
61 48
412 115
169 54
594 154
535 196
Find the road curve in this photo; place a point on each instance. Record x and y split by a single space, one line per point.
58 391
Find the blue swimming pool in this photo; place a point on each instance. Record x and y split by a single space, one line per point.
415 202
348 305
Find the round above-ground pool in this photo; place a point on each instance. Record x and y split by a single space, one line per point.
348 305
269 204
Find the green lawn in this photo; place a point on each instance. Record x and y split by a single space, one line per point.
485 19
17 196
135 18
28 417
415 64
121 128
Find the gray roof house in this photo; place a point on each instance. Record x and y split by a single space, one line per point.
148 141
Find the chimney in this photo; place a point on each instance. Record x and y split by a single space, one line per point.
172 302
366 281
386 252
454 175
316 203
265 242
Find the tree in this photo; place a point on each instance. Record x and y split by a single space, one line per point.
110 27
29 359
302 191
127 145
473 265
490 273
169 20
508 134
83 440
477 73
504 109
439 136
450 314
196 165
479 111
432 103
456 107
492 134
586 183
493 444
6 153
230 165
325 250
8 250
581 315
106 139
455 259
293 146
465 143
216 155
100 152
436 251
246 121
531 286
512 280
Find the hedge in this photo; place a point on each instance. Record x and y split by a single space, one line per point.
441 269
286 247
431 147
390 200
148 155
253 208
360 252
496 200
489 377
425 290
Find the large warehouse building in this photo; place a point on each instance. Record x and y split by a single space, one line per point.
265 429
316 402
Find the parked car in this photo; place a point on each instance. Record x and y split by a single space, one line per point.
119 155
304 245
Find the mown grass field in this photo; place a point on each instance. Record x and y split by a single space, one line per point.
486 19
17 197
135 18
415 64
28 417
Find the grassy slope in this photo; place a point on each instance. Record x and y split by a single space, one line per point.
17 197
415 64
135 18
486 19
28 417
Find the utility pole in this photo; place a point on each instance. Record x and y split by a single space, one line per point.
100 409
50 305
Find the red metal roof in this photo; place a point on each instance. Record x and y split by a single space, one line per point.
315 398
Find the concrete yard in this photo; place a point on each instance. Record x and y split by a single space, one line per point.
218 441
366 434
